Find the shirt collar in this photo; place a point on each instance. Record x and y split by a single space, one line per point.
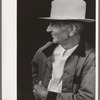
59 50
80 50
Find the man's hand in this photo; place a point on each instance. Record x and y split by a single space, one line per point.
40 91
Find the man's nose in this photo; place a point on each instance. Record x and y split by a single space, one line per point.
49 28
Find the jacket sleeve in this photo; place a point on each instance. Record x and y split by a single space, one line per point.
35 65
86 90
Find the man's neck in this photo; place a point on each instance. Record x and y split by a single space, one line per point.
70 44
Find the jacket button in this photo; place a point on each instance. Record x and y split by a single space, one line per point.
48 76
64 89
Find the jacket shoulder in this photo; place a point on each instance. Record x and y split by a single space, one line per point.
89 49
45 46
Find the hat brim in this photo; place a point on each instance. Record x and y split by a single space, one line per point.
64 19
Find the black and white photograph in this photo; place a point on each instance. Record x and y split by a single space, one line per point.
56 50
50 50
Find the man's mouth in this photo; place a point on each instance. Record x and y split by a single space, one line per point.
53 36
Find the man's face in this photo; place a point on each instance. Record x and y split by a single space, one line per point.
59 31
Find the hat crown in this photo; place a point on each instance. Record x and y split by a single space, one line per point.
68 9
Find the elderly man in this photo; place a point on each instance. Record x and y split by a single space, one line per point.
64 69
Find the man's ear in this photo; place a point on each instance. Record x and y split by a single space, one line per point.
73 29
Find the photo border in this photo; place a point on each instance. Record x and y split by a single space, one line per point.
0 52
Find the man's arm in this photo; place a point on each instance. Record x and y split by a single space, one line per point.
34 64
35 80
39 90
86 90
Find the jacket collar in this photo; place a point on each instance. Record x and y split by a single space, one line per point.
80 50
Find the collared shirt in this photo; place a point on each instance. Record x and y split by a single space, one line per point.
60 57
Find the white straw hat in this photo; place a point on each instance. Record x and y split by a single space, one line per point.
73 10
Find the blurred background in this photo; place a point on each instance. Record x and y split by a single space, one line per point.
31 34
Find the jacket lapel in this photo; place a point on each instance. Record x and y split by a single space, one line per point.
48 72
69 72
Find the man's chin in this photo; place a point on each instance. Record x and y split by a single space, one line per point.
54 41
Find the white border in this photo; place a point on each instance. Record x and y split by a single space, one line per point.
9 50
97 44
